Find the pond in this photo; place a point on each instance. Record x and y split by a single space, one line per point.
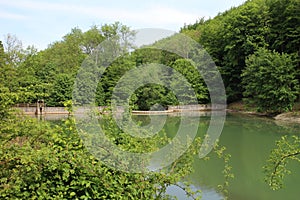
249 140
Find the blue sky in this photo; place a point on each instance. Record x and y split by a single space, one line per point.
40 23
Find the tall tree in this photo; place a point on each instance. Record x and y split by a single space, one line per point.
91 39
7 71
284 23
14 50
119 35
232 36
2 55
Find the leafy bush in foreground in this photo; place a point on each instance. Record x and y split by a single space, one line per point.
43 161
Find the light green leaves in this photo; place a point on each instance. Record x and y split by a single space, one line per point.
287 149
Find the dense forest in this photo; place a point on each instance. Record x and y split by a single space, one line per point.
255 47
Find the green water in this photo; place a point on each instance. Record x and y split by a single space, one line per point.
249 140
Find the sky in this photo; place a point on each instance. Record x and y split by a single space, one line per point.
42 22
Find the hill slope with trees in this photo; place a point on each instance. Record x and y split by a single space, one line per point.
235 39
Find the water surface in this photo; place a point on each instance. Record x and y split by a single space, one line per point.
249 140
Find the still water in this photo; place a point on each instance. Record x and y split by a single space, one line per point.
249 140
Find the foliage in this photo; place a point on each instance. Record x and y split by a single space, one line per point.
122 34
91 39
237 33
2 55
52 163
61 91
150 96
284 23
270 82
48 161
112 75
7 99
228 175
185 68
14 50
40 160
230 38
69 106
287 149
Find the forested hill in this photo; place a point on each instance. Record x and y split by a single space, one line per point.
239 32
256 47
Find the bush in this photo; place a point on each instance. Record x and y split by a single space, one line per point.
43 161
270 81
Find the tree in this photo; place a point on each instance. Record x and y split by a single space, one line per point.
150 96
287 149
2 55
284 25
62 90
63 56
232 36
122 36
191 74
14 50
7 71
112 75
40 161
91 39
269 81
245 30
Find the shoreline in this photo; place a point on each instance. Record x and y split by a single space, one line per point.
134 112
289 117
81 110
292 117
